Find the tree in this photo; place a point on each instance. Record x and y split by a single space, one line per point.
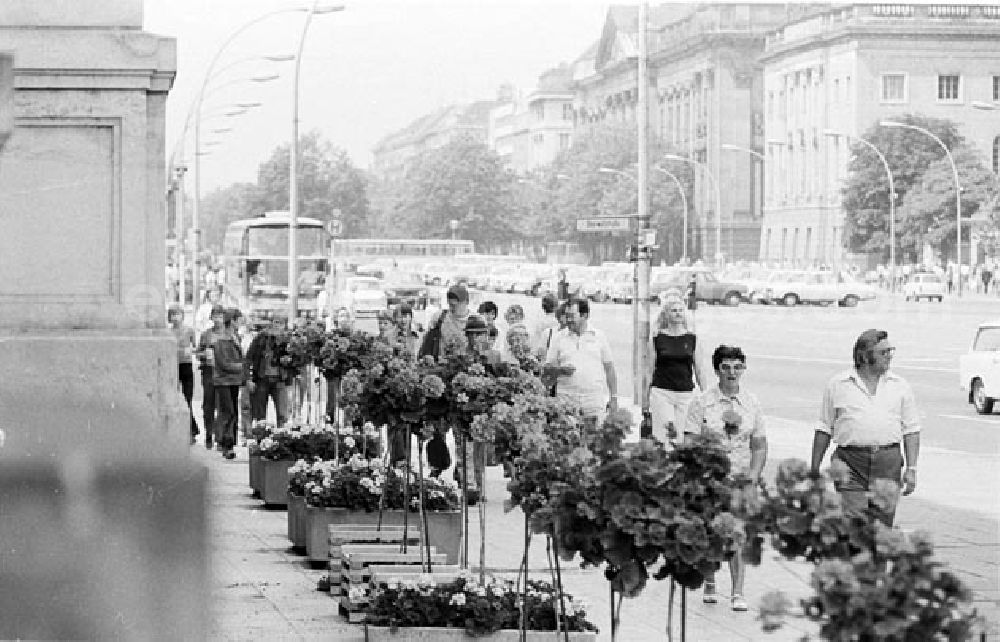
929 206
463 181
224 205
866 193
581 190
327 181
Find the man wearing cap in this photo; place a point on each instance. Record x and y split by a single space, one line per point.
446 331
867 411
580 358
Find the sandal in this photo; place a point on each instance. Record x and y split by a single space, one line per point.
739 603
709 596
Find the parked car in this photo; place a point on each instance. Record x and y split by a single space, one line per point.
925 285
979 368
708 287
850 290
406 287
363 295
597 286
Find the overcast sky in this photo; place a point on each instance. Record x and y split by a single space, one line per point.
367 71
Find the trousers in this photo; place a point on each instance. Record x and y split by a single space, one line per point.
207 404
865 466
227 403
185 374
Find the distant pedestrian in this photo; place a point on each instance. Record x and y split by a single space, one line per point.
266 380
735 415
227 378
676 358
544 329
514 318
406 335
563 286
489 311
206 356
581 361
184 335
867 411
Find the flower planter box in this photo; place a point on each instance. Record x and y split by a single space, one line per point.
274 481
444 528
255 467
433 634
297 521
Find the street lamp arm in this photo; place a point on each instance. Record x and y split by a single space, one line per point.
684 204
729 147
617 172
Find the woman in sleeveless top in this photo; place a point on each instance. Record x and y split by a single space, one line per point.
676 359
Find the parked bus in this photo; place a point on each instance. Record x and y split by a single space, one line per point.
255 258
370 250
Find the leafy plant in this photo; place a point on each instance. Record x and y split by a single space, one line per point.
479 608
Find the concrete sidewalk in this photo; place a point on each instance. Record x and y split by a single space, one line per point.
262 590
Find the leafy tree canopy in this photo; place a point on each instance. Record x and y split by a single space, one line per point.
224 205
328 180
866 192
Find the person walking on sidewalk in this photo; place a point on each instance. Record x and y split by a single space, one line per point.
185 369
580 359
867 411
206 355
676 359
227 378
264 374
735 415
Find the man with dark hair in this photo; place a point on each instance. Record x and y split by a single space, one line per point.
266 380
579 357
490 312
867 411
206 356
546 328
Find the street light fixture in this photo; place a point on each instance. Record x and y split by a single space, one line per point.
718 199
618 172
980 104
737 148
892 200
684 202
958 192
293 163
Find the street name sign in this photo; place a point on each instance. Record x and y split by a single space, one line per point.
602 224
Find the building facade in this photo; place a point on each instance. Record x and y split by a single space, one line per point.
529 132
834 75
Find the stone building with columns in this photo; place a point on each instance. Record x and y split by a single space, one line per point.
706 92
841 71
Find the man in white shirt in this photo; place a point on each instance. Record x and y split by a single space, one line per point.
580 357
867 411
547 327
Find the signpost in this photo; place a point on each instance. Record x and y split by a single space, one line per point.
603 224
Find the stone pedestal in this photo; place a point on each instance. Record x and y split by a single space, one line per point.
103 512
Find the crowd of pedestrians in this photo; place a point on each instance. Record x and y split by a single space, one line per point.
868 412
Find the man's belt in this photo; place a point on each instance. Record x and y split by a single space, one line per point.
873 448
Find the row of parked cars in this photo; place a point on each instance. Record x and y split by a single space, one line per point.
614 282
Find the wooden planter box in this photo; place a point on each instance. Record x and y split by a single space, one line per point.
255 467
444 529
274 481
433 634
297 521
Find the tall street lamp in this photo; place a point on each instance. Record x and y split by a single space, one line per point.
718 199
684 203
293 167
892 201
958 192
729 147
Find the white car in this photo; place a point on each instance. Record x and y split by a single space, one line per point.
925 285
365 295
979 369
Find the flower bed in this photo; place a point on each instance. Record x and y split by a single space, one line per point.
417 609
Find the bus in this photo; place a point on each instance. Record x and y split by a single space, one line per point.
371 250
255 258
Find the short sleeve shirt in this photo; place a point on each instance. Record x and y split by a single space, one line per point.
587 352
852 416
705 414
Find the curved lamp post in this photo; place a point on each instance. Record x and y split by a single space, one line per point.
684 203
958 192
293 167
718 199
892 201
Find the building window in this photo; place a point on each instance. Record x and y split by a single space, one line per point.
893 88
563 141
948 87
567 112
996 88
996 155
539 139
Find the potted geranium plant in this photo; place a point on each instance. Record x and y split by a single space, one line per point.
366 491
491 610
